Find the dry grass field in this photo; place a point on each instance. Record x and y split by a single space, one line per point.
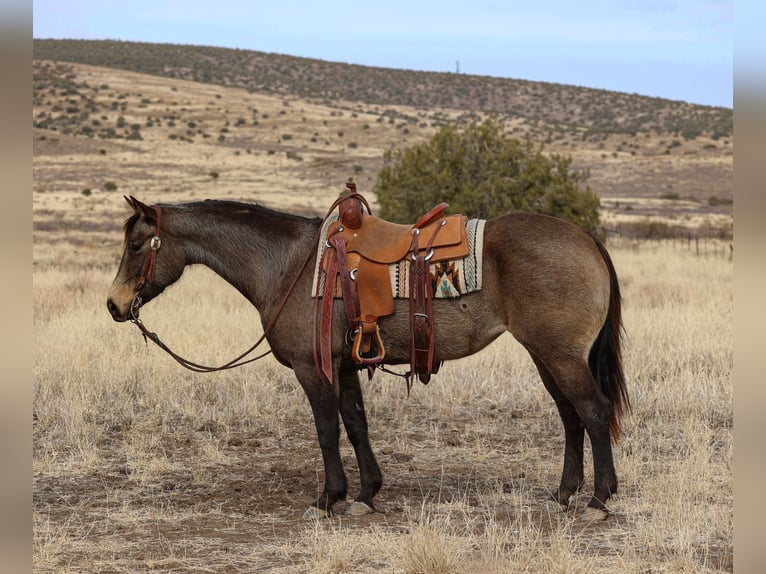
139 465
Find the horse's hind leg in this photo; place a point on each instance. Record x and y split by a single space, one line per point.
572 474
576 384
355 421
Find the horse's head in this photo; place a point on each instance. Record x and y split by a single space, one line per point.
150 262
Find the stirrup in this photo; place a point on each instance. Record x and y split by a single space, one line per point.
356 353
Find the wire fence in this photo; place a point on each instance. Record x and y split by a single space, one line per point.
698 244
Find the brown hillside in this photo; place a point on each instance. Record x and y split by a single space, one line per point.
167 138
589 113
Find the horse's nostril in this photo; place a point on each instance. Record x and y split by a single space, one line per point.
114 310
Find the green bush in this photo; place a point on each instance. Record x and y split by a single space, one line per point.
482 173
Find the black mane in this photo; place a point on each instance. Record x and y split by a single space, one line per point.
226 206
270 221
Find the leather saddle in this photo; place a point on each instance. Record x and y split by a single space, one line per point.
359 249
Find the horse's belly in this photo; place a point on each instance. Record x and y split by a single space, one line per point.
462 326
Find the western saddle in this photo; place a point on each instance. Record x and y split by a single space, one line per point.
358 251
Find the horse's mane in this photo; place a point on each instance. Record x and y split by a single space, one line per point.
229 209
130 222
236 209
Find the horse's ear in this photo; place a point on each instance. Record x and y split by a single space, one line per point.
131 201
149 212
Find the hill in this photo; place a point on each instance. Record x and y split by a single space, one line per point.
165 136
595 112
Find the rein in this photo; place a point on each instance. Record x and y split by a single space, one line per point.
155 244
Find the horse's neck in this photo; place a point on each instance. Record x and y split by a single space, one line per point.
259 260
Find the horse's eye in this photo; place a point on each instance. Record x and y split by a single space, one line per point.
134 246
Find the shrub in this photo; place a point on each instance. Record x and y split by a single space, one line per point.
110 186
482 173
293 155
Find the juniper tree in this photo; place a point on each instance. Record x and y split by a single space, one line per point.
481 172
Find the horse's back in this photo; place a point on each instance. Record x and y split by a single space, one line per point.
544 280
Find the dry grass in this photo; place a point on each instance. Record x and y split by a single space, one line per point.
139 465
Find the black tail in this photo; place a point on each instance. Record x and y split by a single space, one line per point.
605 358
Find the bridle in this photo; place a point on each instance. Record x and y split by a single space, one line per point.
155 243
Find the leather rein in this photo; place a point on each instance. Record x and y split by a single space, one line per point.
155 243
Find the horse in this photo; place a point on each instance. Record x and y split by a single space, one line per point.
548 282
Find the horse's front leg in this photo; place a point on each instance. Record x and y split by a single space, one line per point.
324 399
355 421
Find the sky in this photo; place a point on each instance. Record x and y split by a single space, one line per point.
676 49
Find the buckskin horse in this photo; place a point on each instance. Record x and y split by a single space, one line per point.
548 282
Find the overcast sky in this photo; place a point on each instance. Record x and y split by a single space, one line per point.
677 49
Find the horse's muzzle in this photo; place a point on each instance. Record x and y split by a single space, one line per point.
115 311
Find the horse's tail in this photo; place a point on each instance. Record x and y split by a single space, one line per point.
605 357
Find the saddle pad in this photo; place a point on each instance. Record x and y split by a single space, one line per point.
449 278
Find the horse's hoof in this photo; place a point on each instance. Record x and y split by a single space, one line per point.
593 515
316 513
357 508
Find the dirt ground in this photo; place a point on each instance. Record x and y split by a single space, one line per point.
213 517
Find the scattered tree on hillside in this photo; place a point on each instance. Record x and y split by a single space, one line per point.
482 173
